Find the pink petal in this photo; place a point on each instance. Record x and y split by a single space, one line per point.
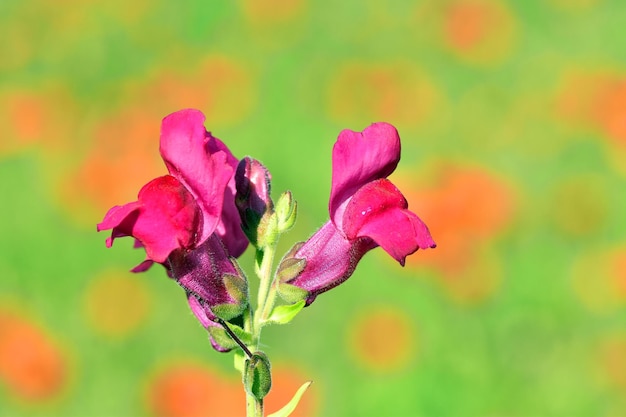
229 226
143 267
215 145
185 150
164 218
379 211
203 313
168 220
359 158
121 220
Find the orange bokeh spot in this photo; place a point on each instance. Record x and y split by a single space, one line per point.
193 390
619 272
125 145
610 110
467 24
219 86
479 31
124 157
383 339
595 99
29 115
31 364
273 11
285 382
396 93
464 209
40 118
613 361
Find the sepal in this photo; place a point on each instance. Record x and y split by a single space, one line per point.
292 294
237 288
228 311
290 268
223 339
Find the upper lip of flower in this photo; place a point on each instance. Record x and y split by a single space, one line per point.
360 158
363 203
185 149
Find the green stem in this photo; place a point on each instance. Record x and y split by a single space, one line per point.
254 407
269 304
266 295
253 319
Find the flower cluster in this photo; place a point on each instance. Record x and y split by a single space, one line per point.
197 219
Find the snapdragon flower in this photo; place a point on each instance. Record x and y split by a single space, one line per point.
366 211
187 220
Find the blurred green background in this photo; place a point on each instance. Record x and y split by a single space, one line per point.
513 121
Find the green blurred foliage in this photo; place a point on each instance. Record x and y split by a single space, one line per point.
513 121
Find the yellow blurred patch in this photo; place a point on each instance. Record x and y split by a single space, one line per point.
382 339
116 303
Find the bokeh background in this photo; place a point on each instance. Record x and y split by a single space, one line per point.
513 121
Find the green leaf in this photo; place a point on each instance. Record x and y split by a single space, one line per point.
291 405
285 313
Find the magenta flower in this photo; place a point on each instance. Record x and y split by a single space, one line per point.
366 211
180 216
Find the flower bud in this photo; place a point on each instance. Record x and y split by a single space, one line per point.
286 210
257 376
252 199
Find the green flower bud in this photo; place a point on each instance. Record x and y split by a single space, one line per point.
286 210
257 376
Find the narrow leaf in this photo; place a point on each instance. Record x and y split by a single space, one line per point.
291 405
285 313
